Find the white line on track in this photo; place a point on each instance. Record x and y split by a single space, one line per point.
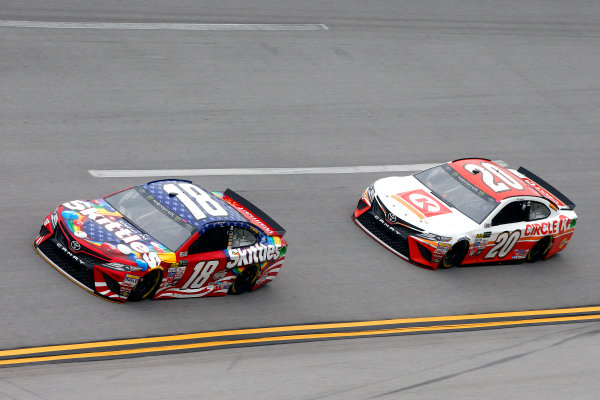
142 173
162 26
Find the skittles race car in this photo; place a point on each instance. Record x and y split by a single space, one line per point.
163 239
467 211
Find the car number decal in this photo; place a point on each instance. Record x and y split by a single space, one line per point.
489 175
196 200
504 244
202 271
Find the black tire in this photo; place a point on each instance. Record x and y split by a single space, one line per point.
146 286
245 280
540 249
455 255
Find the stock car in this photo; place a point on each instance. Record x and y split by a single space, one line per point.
163 239
467 211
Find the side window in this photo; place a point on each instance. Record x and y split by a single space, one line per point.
517 211
538 211
242 237
211 240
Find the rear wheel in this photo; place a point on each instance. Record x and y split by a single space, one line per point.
455 255
146 285
245 280
540 249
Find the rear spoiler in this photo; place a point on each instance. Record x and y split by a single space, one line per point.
547 189
260 217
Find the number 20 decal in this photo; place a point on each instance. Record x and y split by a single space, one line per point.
196 200
504 244
489 175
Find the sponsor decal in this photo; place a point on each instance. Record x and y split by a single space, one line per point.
54 218
421 202
557 226
441 250
219 274
121 267
130 280
520 254
67 252
484 235
131 239
543 192
252 255
563 243
178 275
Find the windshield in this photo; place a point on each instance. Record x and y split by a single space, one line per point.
451 187
144 211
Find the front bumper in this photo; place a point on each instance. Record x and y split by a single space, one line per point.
397 236
80 267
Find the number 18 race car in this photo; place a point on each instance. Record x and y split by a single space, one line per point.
163 239
465 212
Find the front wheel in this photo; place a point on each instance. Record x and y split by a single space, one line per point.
146 285
455 255
540 250
245 280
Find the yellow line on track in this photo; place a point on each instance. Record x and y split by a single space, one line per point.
341 325
300 337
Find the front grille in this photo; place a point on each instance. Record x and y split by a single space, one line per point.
399 224
397 238
70 266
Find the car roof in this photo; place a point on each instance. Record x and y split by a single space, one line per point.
173 203
493 179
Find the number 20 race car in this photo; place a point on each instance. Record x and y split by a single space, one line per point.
164 239
465 212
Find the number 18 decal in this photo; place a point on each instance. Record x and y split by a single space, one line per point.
196 200
202 271
504 244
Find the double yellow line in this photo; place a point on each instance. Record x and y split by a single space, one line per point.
111 349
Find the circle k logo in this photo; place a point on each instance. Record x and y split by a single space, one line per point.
424 203
421 203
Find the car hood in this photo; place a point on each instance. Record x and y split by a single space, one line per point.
100 228
411 201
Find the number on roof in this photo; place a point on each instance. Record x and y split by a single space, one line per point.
490 173
196 200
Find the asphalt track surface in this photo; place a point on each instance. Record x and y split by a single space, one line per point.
388 83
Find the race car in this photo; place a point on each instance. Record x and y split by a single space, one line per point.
467 211
163 239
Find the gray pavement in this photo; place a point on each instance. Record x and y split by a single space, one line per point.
536 363
389 83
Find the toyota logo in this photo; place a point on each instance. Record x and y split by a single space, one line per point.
391 217
75 246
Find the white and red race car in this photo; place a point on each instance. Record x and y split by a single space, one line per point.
467 211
